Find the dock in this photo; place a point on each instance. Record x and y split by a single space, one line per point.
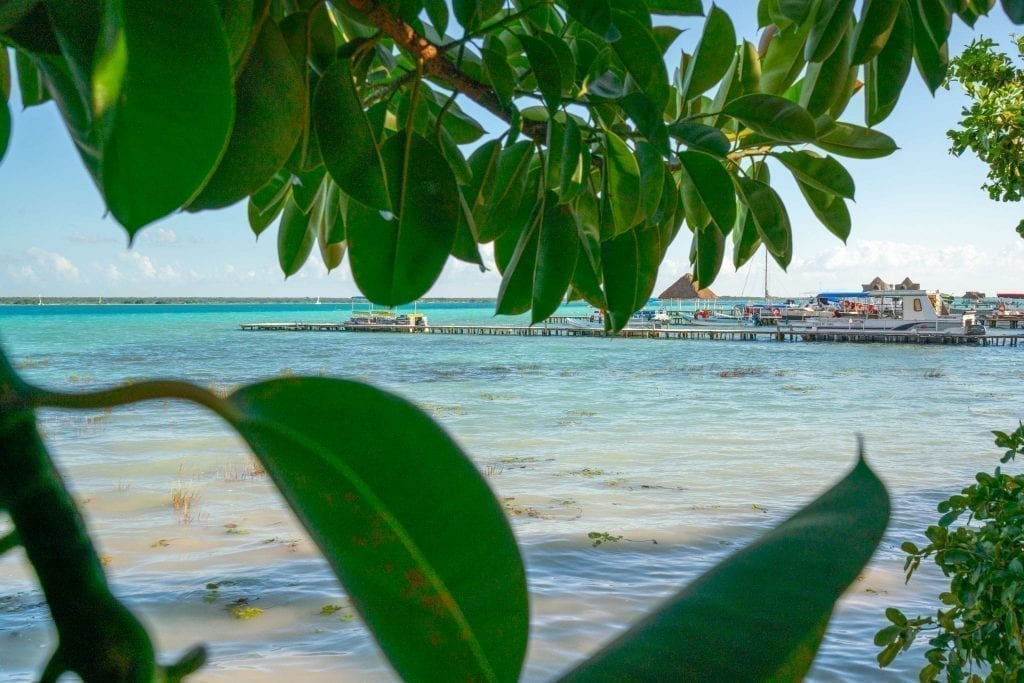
748 334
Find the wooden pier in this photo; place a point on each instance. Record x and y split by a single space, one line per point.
748 334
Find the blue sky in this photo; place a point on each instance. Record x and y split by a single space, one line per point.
919 212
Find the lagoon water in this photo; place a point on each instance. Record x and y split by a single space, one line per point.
700 446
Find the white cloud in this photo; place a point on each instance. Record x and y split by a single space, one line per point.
144 267
165 236
22 273
83 238
52 262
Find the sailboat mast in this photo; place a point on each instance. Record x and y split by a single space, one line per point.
766 275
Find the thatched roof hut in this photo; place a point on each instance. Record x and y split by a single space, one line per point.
876 285
974 296
686 288
908 284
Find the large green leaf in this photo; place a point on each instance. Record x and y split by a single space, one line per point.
347 142
500 212
710 253
784 59
544 63
542 265
565 170
641 55
931 52
830 25
699 136
830 209
748 617
397 256
1014 10
270 111
848 140
825 81
713 187
595 15
498 72
824 173
621 198
394 505
629 264
684 8
770 217
713 55
295 238
886 73
437 12
30 82
166 108
746 239
472 13
773 116
872 31
652 179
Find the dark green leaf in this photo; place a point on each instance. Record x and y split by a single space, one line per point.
684 8
872 31
500 212
260 219
392 517
306 187
347 143
270 111
595 15
621 195
698 136
499 74
712 186
886 73
649 121
770 217
237 18
712 57
437 12
830 210
1014 10
746 239
566 61
30 81
830 25
396 257
329 226
790 578
652 179
784 59
848 140
544 63
294 239
629 265
147 90
472 13
710 254
483 164
931 54
824 173
825 82
272 191
773 116
641 56
565 172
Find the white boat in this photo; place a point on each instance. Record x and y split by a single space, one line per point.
900 310
388 319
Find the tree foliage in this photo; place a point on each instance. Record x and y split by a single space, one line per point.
357 125
977 634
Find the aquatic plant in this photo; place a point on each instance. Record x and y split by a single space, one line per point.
341 121
978 632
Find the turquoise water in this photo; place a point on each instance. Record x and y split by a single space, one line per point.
699 446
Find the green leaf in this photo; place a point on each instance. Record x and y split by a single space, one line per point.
770 217
712 57
499 212
652 179
746 239
396 257
931 55
629 265
825 82
830 210
260 220
542 265
1014 10
824 173
499 74
641 55
830 25
472 13
595 15
784 59
712 186
392 516
437 12
544 63
294 239
773 116
886 73
565 170
857 142
621 195
701 137
147 91
710 254
790 579
30 81
270 111
5 127
683 8
877 18
347 142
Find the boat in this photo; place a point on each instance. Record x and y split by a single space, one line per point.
388 319
900 310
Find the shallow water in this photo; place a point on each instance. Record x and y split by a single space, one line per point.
699 446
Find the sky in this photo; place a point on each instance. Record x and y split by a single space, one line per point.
919 213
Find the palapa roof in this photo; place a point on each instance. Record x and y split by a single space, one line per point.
876 285
908 284
977 296
686 288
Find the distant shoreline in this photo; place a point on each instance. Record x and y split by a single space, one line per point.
179 300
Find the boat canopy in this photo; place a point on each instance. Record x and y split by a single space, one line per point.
832 297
